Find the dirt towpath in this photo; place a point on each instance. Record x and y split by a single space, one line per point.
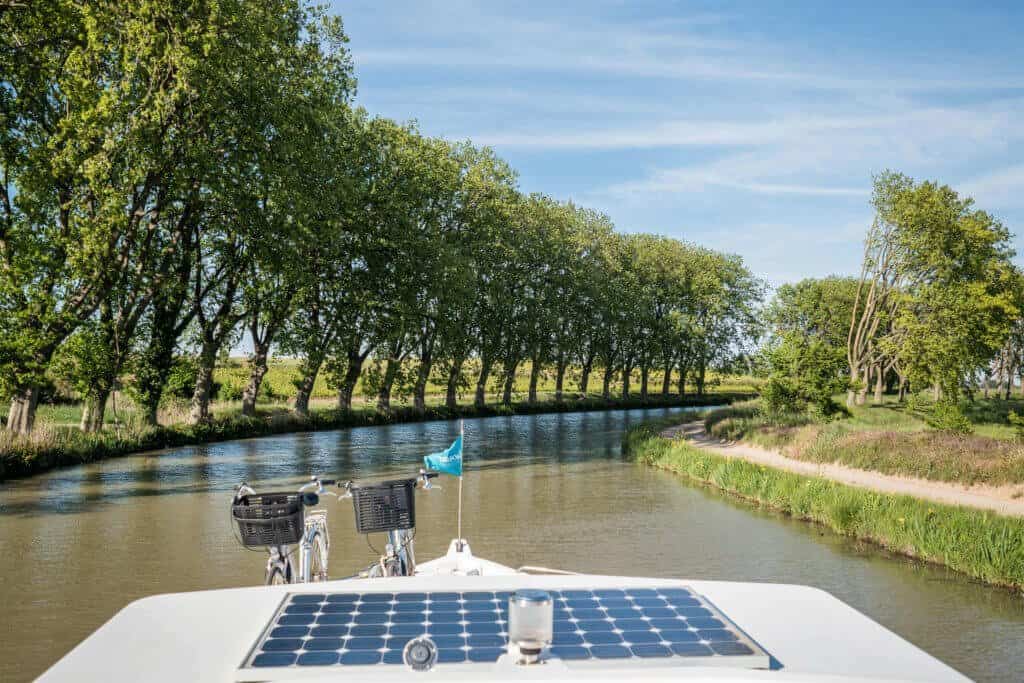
998 499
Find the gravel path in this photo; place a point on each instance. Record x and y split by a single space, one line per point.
996 498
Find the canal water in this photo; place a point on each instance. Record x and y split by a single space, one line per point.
77 545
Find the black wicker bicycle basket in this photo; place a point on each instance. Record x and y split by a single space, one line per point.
267 519
385 506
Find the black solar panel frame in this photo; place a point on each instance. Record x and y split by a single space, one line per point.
340 605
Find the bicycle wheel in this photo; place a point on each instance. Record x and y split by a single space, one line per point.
318 558
279 575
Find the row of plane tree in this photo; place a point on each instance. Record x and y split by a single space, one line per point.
174 180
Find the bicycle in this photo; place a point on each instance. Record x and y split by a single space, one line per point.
277 521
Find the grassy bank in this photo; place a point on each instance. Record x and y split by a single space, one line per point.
891 438
980 544
51 447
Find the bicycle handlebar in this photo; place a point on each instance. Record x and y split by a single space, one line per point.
318 485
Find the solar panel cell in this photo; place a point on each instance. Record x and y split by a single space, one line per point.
650 651
289 632
409 617
599 638
317 659
282 644
364 644
717 635
360 658
274 659
337 608
588 614
449 642
369 630
364 618
296 619
610 652
679 636
641 637
567 639
323 644
595 626
731 649
691 650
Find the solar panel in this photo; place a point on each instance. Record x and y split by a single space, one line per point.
365 629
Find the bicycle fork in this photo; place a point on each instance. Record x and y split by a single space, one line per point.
315 523
400 548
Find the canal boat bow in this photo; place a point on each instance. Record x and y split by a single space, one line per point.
465 618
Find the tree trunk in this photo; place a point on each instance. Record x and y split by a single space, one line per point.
387 382
534 380
94 412
347 389
606 387
560 377
585 378
451 398
701 377
310 369
682 380
419 391
851 393
902 390
256 375
510 379
480 398
862 390
1009 383
627 370
645 371
879 380
666 381
936 391
22 415
200 411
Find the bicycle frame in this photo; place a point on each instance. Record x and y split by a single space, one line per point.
402 547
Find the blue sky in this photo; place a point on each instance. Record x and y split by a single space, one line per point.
753 128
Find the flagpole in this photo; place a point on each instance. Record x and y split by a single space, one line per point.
462 437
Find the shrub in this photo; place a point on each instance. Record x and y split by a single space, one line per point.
181 381
1017 422
780 395
947 416
229 391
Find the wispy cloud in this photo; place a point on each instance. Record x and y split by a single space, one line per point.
819 156
1002 189
763 126
974 123
697 47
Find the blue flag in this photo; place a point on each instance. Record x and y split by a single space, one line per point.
448 461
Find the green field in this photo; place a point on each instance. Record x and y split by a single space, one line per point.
282 375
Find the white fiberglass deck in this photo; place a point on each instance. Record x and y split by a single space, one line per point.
210 636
